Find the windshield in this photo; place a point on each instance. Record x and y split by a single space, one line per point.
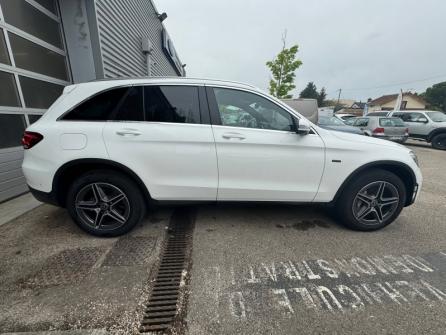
330 121
391 122
437 116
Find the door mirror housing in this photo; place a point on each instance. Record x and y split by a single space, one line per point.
303 127
423 120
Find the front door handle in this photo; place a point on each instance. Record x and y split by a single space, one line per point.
233 135
128 132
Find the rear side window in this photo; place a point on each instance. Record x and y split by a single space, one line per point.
98 108
175 104
130 108
122 104
361 122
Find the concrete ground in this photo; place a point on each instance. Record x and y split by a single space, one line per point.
269 269
293 270
53 276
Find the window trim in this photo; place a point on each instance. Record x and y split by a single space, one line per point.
216 117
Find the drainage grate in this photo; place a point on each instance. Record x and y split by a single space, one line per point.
166 299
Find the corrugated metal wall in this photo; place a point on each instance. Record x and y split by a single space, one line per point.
12 181
122 25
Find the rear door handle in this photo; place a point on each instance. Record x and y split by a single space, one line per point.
233 135
128 132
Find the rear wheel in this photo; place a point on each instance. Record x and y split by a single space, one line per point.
105 203
439 141
371 201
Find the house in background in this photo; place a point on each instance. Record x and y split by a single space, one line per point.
355 108
411 101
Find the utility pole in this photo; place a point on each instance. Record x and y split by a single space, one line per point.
337 103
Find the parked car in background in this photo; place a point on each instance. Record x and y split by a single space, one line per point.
387 128
429 126
334 123
344 117
107 149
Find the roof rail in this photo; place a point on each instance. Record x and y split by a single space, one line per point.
173 77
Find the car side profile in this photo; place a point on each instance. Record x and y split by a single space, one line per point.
425 125
106 150
386 128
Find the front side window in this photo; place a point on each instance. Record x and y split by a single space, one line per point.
437 116
248 110
173 104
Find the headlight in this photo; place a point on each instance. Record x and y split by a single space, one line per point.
414 157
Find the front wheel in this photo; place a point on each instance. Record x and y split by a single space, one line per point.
439 142
371 201
105 203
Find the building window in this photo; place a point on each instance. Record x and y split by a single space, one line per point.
48 4
4 57
38 93
8 92
33 57
11 128
22 15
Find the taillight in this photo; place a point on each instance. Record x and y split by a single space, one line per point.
30 139
407 131
378 130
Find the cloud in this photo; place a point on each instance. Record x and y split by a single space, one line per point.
348 44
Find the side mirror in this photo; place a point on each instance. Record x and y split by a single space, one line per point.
423 120
302 127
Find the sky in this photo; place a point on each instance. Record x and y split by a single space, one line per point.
367 48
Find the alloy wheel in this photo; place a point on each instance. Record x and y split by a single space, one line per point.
102 206
375 202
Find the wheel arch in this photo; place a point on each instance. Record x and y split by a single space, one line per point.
70 170
398 168
435 132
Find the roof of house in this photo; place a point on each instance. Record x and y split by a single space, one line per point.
390 97
358 104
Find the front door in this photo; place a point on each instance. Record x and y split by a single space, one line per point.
157 133
260 156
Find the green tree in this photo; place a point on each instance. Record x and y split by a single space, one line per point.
435 96
321 97
282 68
309 92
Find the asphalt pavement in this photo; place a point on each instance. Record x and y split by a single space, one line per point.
269 269
293 270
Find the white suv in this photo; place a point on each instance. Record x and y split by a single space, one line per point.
107 149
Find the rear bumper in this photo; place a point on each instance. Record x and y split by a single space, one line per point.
46 197
394 138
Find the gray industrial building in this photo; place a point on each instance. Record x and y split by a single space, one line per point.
48 44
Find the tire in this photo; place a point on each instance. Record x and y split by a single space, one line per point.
439 141
358 197
105 203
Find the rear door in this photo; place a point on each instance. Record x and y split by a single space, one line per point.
260 156
412 120
160 134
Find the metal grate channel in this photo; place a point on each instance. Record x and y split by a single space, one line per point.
166 298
